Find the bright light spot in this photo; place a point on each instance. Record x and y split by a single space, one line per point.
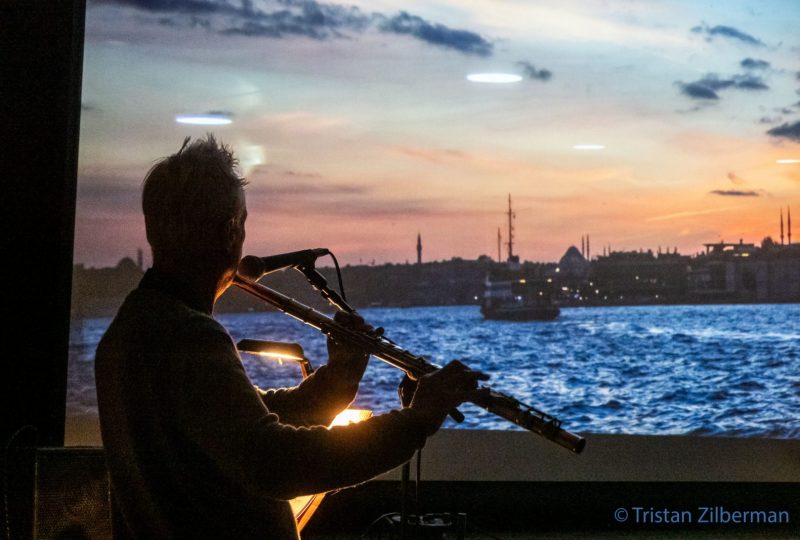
522 281
250 157
208 119
278 355
350 416
494 78
787 161
588 146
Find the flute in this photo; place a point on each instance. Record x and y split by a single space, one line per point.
415 366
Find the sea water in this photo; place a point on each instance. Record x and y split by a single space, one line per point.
731 370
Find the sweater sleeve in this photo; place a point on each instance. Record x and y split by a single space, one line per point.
224 417
314 402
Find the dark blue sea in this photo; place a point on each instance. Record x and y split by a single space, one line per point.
729 370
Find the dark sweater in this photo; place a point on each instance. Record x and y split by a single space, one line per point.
196 451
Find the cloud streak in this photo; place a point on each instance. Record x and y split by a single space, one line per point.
437 34
727 32
530 71
710 84
754 63
305 18
690 213
697 91
736 179
786 131
734 193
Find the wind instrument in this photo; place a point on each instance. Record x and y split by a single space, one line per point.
415 366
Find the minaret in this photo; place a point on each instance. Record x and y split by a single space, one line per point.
781 226
789 224
588 249
499 243
510 230
583 247
419 248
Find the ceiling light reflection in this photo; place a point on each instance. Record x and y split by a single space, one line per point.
206 119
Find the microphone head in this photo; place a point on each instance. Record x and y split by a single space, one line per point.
251 267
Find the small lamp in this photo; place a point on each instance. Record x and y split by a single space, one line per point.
302 507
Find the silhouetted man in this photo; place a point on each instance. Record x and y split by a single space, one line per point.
194 449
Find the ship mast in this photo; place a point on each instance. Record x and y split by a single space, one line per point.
511 217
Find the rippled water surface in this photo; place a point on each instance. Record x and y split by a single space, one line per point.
720 370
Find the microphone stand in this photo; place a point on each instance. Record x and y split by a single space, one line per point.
405 480
319 282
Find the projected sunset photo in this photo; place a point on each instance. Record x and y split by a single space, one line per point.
591 201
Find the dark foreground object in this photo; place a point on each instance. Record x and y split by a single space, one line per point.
517 508
63 493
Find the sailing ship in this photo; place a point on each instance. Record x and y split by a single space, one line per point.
511 295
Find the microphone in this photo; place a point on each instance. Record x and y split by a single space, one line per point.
253 268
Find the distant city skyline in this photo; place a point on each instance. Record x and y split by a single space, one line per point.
357 128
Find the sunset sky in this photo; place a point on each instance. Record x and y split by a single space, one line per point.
357 128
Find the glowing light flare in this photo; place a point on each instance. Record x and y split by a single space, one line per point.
787 161
588 146
278 355
351 416
494 78
206 119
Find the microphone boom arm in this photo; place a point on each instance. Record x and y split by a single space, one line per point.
415 366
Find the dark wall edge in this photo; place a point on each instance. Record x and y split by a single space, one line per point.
40 85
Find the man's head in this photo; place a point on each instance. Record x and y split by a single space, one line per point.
194 208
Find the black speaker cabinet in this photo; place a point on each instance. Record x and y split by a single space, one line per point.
71 495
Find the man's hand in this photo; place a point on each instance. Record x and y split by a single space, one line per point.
347 361
443 390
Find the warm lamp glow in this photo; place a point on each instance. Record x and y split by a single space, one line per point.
278 355
351 416
304 507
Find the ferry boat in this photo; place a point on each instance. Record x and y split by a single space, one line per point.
517 300
510 295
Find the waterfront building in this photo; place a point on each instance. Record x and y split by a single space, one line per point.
746 273
630 277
